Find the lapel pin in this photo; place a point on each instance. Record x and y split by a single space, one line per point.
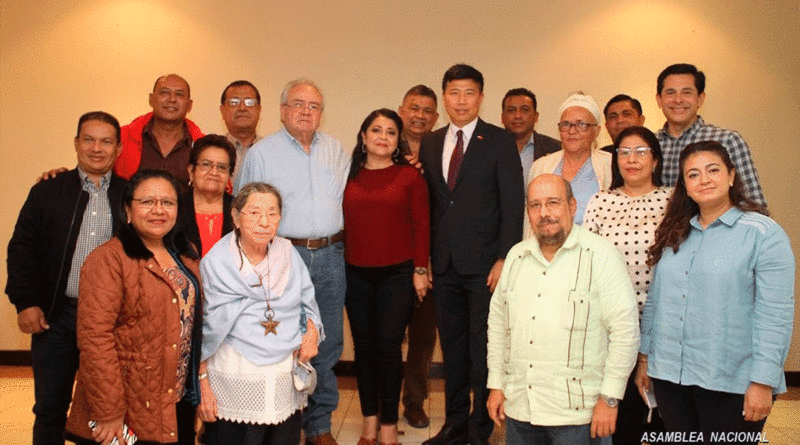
480 137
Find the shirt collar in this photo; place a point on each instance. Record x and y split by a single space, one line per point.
467 129
699 122
105 180
571 242
728 218
295 141
237 144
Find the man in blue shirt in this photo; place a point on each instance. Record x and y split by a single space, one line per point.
62 220
310 170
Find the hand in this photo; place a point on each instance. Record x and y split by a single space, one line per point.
430 274
207 410
643 382
757 402
414 160
32 321
604 419
105 432
494 274
51 174
495 406
309 347
421 285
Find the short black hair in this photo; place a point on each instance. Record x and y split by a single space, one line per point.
213 140
519 92
462 71
655 150
622 98
101 116
421 90
682 68
239 83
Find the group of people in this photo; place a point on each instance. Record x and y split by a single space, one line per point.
183 276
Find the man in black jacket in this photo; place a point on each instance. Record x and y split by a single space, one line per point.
62 220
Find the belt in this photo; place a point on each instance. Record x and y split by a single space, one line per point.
318 243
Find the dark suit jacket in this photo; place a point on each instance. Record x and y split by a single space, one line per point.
188 218
544 145
481 219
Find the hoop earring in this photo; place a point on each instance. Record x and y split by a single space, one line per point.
364 148
396 152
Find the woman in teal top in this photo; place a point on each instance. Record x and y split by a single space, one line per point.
718 319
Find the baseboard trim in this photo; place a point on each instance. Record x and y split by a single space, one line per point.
15 358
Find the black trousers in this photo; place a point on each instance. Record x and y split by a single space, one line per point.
379 301
692 409
224 432
632 417
462 312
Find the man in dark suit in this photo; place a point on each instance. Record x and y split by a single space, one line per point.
519 116
475 184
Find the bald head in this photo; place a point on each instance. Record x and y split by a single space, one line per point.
171 99
551 210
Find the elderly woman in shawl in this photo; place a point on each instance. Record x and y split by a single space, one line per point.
261 327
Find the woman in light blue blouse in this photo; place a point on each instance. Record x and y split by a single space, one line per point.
718 319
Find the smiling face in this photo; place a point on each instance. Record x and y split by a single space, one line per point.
636 170
97 148
418 114
550 211
519 116
462 100
302 111
380 139
154 209
679 100
707 180
212 172
240 116
170 99
574 140
258 221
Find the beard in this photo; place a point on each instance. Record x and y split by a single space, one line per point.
556 239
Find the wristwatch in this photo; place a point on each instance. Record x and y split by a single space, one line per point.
610 401
421 271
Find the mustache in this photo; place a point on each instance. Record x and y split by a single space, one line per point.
548 220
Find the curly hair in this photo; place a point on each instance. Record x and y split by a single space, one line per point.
675 227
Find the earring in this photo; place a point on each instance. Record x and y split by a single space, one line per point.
364 148
396 152
731 184
190 183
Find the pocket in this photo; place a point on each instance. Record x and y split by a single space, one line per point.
136 376
580 315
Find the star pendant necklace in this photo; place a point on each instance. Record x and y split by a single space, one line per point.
271 325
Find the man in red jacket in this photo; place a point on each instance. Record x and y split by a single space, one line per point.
161 139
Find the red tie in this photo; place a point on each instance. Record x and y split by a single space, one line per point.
455 161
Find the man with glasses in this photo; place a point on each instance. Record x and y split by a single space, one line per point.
62 220
240 107
680 94
563 329
310 169
621 112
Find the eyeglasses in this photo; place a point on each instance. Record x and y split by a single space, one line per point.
249 102
639 152
256 216
208 165
580 126
149 203
298 105
551 204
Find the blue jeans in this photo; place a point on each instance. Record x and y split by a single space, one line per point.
326 267
54 359
523 433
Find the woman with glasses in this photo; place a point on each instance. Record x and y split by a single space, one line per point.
628 215
261 326
139 325
717 324
207 216
587 168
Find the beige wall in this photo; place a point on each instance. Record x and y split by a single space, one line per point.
62 58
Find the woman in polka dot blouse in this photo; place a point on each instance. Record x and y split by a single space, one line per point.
628 215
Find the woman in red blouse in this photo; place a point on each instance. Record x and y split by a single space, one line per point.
387 238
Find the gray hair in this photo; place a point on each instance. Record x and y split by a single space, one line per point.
298 82
253 188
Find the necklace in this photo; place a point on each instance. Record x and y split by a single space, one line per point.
271 325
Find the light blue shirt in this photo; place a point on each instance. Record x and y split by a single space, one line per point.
526 157
719 312
584 186
311 184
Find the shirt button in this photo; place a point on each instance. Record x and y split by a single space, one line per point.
171 434
687 272
531 341
174 346
683 296
94 213
681 318
530 366
92 233
544 272
174 300
540 295
533 318
169 391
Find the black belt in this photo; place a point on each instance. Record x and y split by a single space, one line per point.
318 243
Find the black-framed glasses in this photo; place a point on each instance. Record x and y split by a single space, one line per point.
580 126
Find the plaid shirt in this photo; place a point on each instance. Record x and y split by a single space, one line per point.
95 227
738 150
